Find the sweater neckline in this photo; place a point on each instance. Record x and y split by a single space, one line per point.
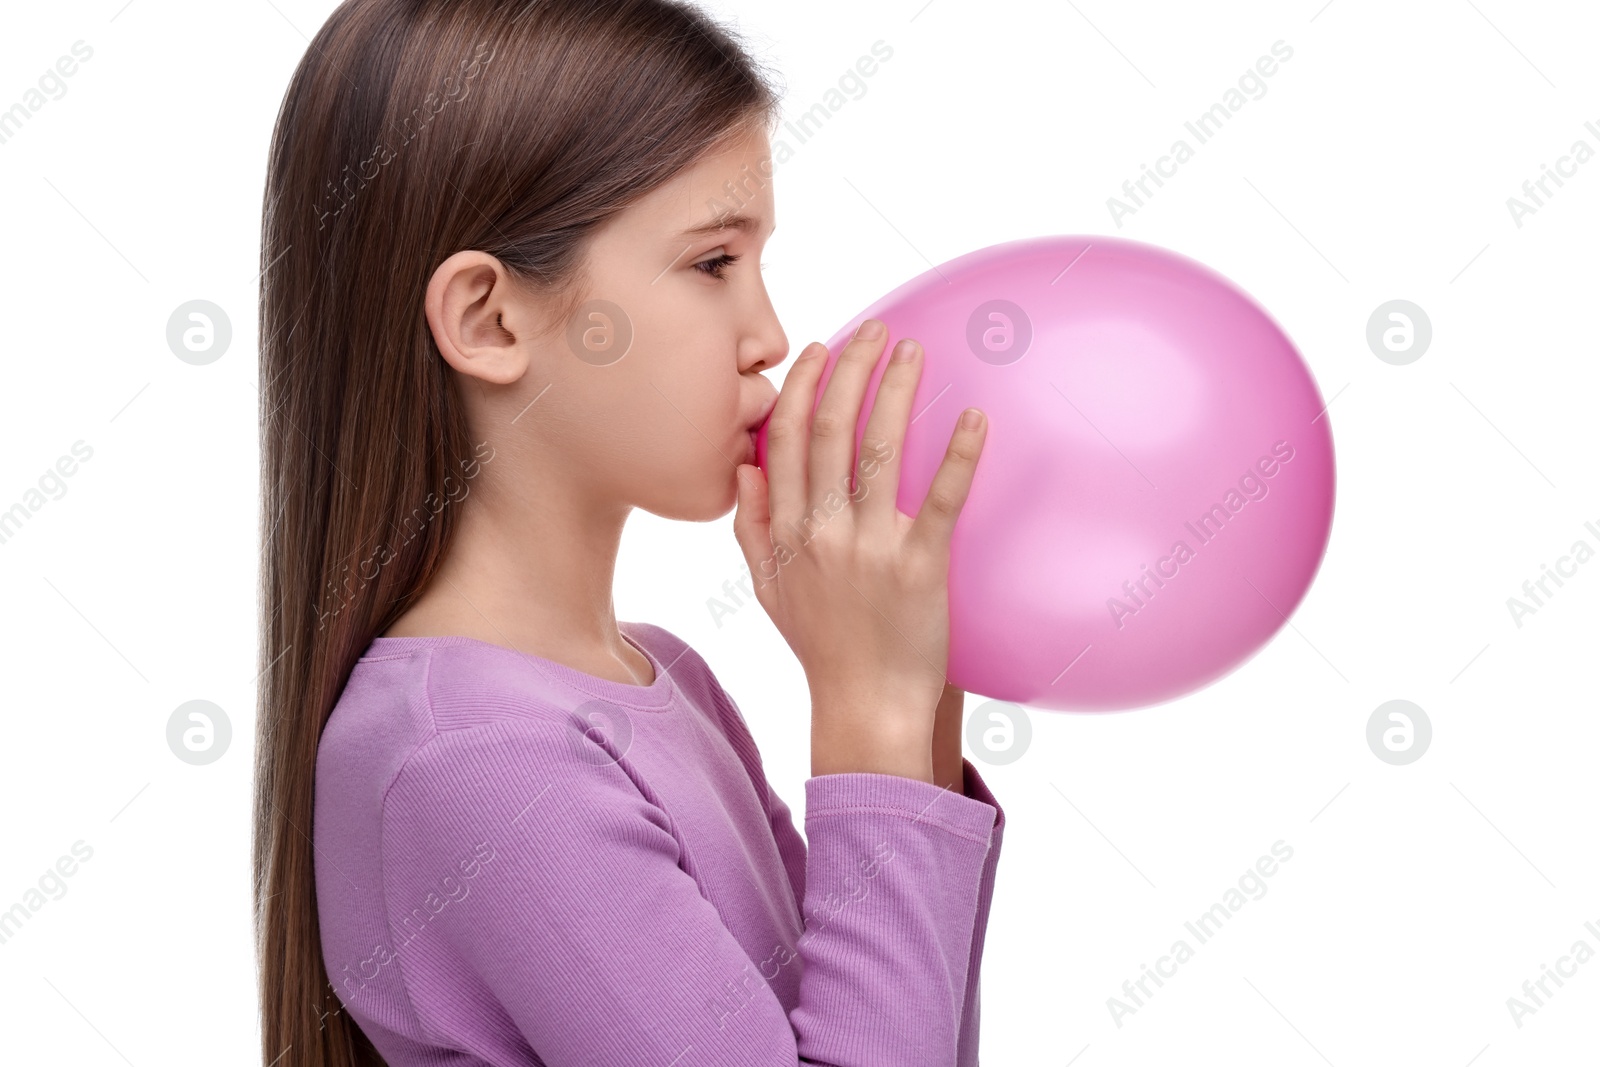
656 696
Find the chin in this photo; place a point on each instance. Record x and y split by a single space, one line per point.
706 499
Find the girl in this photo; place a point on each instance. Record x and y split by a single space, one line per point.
506 299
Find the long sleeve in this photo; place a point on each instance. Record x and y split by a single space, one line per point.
793 850
978 790
580 936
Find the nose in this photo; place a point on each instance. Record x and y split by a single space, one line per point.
765 346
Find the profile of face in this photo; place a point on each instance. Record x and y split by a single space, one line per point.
647 395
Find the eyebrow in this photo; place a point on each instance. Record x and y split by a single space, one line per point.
741 222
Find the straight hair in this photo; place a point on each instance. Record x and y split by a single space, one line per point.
410 130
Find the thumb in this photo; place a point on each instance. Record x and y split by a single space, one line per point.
752 522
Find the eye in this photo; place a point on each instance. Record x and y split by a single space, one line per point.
717 266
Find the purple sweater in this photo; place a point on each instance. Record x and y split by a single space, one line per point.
519 863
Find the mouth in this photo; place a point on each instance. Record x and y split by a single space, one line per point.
754 427
761 416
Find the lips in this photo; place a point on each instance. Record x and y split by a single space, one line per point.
755 425
767 405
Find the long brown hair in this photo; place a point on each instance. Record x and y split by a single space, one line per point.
413 129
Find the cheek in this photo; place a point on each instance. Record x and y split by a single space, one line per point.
676 407
673 431
698 399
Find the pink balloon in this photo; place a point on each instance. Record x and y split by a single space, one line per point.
1156 489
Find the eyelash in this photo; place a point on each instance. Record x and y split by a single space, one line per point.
718 265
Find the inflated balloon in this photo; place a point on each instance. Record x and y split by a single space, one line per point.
1156 486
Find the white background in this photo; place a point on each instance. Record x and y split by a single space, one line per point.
1377 166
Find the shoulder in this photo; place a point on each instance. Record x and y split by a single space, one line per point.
438 711
493 775
472 685
437 688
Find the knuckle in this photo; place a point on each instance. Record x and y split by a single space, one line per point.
783 427
964 451
943 501
827 424
876 449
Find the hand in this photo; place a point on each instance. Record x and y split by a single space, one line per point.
858 590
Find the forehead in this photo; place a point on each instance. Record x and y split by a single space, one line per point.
728 189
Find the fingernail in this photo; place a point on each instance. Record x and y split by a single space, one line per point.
904 351
871 330
971 419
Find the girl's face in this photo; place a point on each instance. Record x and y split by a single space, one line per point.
676 280
647 396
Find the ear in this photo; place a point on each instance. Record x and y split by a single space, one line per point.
481 321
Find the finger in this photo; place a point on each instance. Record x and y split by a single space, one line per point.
878 469
947 494
788 431
752 522
833 427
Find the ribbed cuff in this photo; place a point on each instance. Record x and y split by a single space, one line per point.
892 794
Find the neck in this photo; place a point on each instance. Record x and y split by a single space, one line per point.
528 570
